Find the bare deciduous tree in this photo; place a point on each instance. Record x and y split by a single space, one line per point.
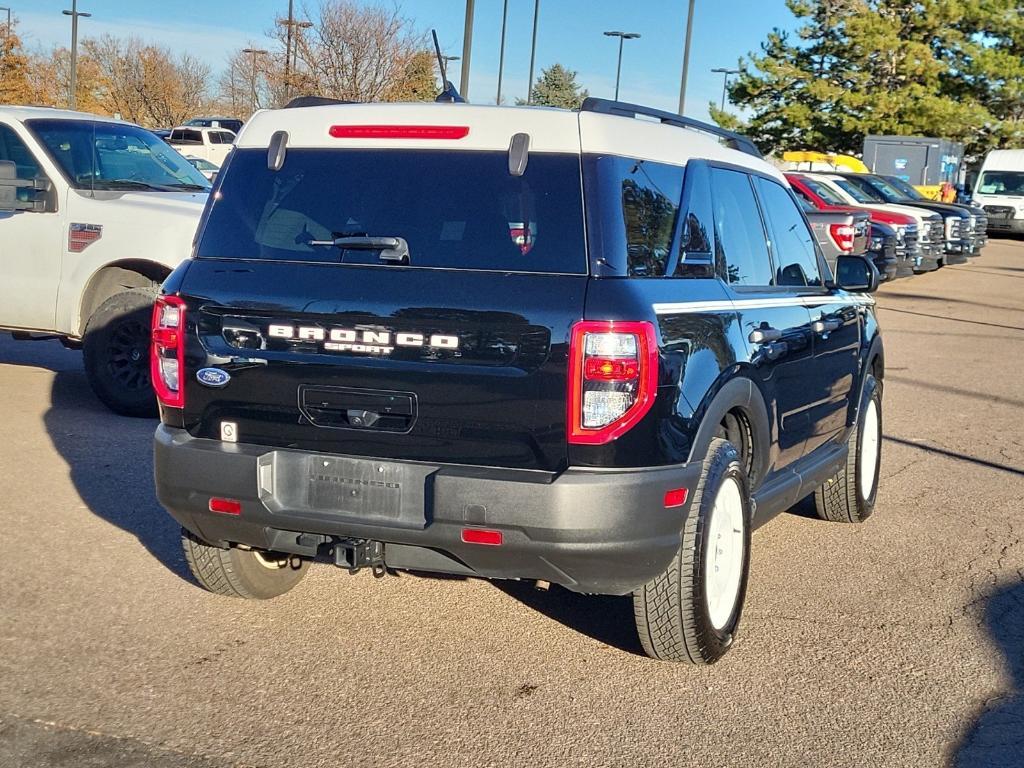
146 84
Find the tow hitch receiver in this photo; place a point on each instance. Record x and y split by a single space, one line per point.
356 554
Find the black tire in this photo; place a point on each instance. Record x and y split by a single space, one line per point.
115 351
241 572
673 617
841 498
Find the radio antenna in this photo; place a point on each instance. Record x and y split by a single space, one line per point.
448 92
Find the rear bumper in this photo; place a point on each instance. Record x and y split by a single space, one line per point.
597 531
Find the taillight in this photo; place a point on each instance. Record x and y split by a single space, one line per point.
167 360
613 378
843 236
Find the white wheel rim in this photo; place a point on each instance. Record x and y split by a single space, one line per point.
868 451
723 553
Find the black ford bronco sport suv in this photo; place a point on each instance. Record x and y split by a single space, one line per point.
590 348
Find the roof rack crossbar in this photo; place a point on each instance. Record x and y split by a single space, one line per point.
625 109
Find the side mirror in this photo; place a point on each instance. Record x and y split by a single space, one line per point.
856 274
22 194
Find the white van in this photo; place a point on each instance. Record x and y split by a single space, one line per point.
1000 190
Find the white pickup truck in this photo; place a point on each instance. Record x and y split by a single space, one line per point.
211 144
94 214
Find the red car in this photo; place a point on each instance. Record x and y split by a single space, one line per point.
824 199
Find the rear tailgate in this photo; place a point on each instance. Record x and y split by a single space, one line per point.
490 390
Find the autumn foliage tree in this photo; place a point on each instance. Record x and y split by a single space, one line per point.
15 86
146 84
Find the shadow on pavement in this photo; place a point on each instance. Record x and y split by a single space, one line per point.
605 618
996 740
110 461
956 455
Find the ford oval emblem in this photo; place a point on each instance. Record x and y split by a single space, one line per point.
213 377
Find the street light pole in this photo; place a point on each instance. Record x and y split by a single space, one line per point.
725 72
291 48
623 36
74 13
686 59
288 50
501 56
533 52
254 52
9 21
467 50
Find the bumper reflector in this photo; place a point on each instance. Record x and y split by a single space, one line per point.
226 506
675 498
481 536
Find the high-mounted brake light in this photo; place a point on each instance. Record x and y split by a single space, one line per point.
613 378
399 131
843 236
167 357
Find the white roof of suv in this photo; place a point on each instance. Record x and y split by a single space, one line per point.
474 127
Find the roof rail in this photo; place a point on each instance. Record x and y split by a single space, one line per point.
624 109
314 101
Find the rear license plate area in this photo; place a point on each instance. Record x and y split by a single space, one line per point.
340 488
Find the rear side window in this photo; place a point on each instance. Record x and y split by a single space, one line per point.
739 234
824 192
632 206
214 137
792 242
650 203
455 209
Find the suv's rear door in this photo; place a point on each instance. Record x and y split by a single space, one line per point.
775 323
456 354
835 320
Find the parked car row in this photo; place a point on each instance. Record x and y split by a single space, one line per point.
906 233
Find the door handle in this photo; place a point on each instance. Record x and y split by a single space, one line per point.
826 326
764 335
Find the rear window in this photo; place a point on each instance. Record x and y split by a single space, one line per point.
455 209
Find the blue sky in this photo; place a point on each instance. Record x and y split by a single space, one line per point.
569 32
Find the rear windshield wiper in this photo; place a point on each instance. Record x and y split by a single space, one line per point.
391 248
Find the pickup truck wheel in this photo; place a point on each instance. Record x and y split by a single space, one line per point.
691 611
849 496
236 572
116 352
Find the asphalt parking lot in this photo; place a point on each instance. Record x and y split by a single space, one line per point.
899 642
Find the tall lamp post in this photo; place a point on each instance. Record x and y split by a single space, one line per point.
467 50
291 46
254 52
74 13
623 36
533 52
9 21
725 72
686 59
501 55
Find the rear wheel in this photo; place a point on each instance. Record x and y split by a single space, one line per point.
116 352
247 573
849 496
692 610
